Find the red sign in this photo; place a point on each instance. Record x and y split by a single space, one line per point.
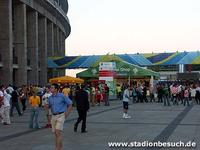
105 73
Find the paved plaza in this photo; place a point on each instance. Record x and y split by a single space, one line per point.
149 122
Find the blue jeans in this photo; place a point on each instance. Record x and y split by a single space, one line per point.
107 100
34 118
166 100
186 101
175 100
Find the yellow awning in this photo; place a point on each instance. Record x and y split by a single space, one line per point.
66 79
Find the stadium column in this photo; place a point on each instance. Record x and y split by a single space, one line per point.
59 42
55 71
42 43
62 49
6 47
63 43
20 43
50 44
32 46
55 41
50 39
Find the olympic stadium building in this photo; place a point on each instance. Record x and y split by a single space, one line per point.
30 32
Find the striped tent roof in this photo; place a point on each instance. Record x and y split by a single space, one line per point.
73 62
51 63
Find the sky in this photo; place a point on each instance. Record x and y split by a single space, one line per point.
133 26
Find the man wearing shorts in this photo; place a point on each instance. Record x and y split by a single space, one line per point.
126 97
60 106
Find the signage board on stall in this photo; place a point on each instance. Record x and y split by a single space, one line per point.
107 71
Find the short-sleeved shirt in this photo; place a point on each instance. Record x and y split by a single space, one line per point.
45 98
7 98
126 96
34 101
174 90
59 102
186 93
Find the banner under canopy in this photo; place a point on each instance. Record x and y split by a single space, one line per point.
123 69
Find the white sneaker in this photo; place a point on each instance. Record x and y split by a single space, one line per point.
124 115
127 117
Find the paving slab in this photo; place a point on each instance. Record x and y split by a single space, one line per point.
149 122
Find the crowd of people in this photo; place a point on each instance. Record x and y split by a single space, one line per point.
168 94
57 101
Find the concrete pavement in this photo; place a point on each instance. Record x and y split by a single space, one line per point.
149 122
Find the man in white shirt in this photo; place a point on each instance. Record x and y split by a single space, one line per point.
6 114
45 98
126 97
10 88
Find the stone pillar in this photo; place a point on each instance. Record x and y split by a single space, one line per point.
20 43
55 40
59 41
6 42
50 39
42 26
63 44
62 51
32 46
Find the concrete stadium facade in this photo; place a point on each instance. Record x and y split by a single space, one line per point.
30 32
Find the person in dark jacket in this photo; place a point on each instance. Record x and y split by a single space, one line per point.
15 99
106 95
82 104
